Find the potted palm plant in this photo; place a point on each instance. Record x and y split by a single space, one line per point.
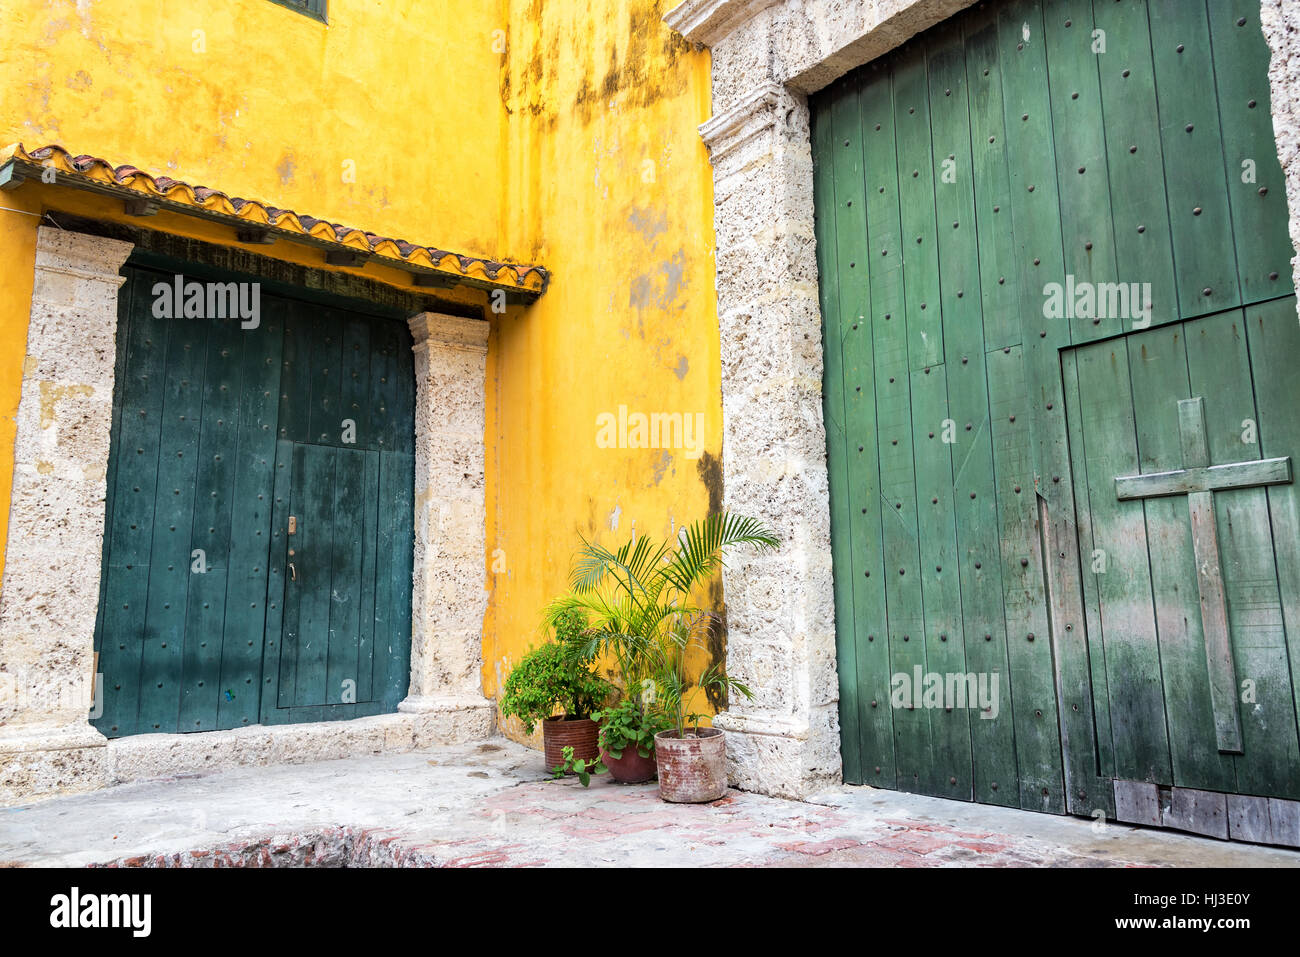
636 602
692 759
557 676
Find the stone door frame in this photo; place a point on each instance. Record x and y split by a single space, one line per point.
50 593
768 56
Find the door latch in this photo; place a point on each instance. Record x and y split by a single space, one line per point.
293 524
293 572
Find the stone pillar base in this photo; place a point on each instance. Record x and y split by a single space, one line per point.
39 762
781 757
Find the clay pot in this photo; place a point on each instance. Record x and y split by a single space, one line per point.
565 731
692 769
631 768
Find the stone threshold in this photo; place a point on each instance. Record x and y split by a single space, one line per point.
38 765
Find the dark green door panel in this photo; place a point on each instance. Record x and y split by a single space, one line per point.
218 431
1026 179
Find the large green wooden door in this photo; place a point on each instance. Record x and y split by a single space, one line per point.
220 434
1026 219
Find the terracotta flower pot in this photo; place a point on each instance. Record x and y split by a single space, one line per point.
692 769
566 731
631 768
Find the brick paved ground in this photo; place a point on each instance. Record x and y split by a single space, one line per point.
491 804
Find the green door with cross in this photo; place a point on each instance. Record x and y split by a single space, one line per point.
1060 341
259 519
1187 512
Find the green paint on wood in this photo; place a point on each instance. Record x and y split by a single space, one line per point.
200 627
974 445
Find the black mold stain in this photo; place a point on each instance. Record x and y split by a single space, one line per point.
716 640
628 73
710 471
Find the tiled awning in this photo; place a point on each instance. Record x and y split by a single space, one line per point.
259 223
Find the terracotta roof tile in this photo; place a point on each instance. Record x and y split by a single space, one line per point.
100 175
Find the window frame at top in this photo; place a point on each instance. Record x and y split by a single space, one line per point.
316 9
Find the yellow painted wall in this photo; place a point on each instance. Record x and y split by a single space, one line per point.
18 253
560 132
610 187
262 102
388 119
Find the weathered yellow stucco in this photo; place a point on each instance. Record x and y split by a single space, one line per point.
560 133
610 188
18 249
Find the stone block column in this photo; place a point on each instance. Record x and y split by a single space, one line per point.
450 596
50 594
780 607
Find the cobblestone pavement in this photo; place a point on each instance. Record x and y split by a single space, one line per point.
492 804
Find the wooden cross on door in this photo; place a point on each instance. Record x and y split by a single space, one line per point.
1199 480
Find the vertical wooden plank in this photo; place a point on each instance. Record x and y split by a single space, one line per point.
133 478
293 576
950 721
372 505
982 627
998 256
1256 189
402 400
1274 341
326 423
294 418
347 520
393 590
1033 691
169 570
315 549
1079 139
1218 364
1214 623
1209 581
248 574
384 346
853 253
354 398
1044 511
826 205
1093 564
1158 363
281 621
826 224
1035 214
1137 710
906 620
213 509
892 410
1134 157
1190 135
916 210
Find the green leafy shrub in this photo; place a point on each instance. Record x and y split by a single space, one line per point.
555 675
636 608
